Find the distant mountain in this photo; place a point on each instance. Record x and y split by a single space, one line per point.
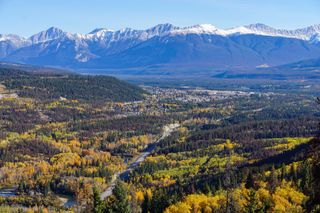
306 64
47 35
165 45
33 68
10 43
302 70
308 33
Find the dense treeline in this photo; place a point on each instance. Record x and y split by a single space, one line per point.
89 88
303 126
249 161
140 125
18 116
293 171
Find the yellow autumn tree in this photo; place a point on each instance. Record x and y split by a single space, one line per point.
198 203
287 199
178 208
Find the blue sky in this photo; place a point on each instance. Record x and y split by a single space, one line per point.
26 17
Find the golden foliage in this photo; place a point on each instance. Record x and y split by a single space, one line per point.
285 199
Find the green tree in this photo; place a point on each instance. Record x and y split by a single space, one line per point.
283 171
98 206
273 179
253 203
160 201
47 188
307 177
250 181
293 174
146 205
207 189
120 201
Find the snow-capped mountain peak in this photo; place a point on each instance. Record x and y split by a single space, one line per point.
260 27
206 27
12 37
106 35
198 29
99 33
161 29
302 33
47 35
101 42
316 27
100 30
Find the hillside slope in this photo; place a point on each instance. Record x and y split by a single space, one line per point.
69 86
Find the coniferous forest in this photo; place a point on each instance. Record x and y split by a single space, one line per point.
77 143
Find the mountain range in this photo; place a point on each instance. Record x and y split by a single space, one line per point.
164 47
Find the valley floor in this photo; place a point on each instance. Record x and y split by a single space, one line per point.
223 150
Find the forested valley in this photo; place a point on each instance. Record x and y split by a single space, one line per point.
65 139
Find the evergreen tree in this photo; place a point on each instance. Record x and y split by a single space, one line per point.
207 189
293 174
47 188
283 171
98 206
160 201
273 179
252 202
146 204
232 204
250 181
120 198
306 177
219 187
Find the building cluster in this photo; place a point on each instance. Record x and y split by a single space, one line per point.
190 95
